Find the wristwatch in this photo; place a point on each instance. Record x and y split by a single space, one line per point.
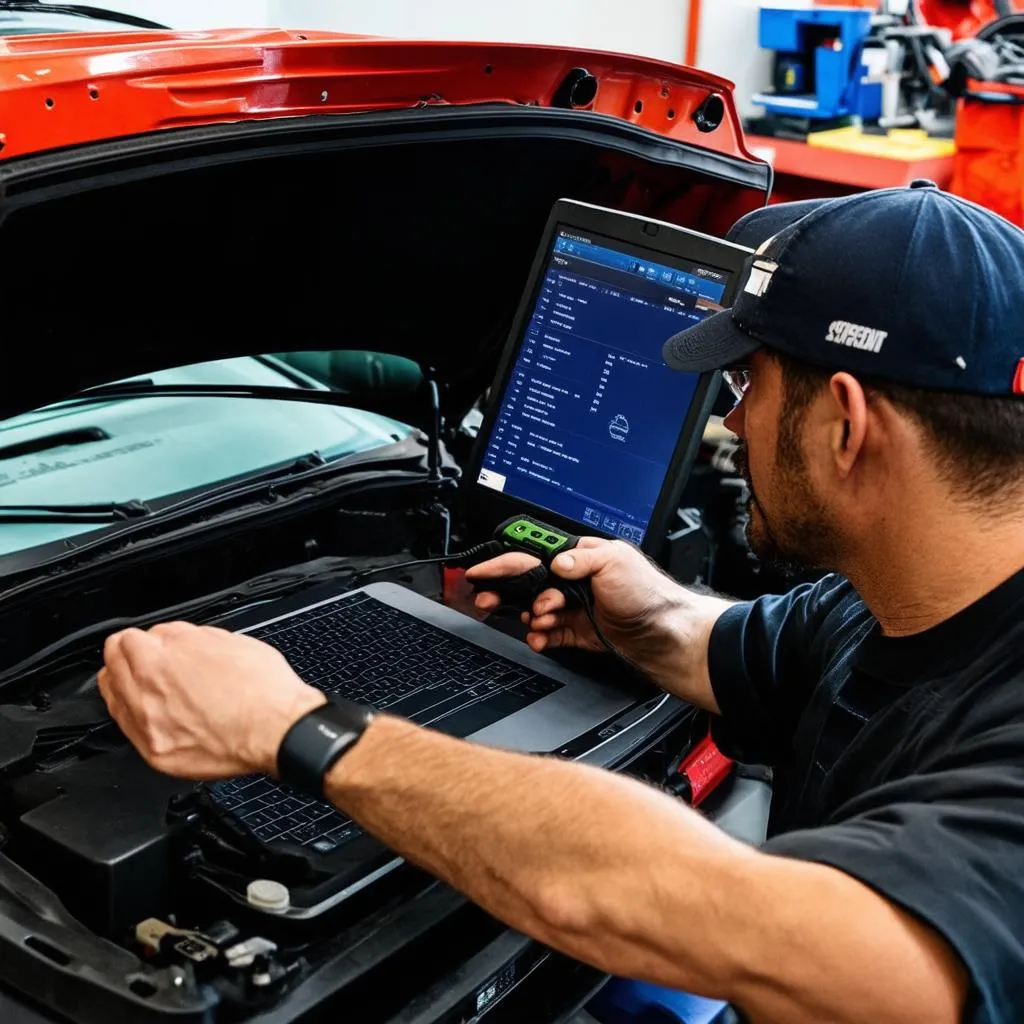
314 744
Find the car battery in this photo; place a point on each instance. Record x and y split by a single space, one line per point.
103 829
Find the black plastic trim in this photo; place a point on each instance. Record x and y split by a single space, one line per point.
65 171
95 973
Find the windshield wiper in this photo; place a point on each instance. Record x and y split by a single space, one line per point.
106 512
134 509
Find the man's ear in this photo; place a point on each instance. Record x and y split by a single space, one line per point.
850 426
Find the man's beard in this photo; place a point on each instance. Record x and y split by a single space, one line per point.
799 533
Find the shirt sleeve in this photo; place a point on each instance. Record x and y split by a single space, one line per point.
764 664
949 848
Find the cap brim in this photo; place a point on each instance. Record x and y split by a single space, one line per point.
717 342
711 345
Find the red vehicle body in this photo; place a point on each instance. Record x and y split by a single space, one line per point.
74 88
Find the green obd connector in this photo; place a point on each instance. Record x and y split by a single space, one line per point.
522 533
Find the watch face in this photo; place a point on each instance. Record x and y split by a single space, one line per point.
316 741
327 731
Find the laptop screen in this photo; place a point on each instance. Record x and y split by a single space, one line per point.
590 415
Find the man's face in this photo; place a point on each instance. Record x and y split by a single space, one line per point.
789 520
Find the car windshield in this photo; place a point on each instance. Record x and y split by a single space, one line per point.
150 448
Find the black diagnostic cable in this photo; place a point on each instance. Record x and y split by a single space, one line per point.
489 549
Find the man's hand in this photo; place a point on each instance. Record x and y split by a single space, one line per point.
630 595
659 625
202 703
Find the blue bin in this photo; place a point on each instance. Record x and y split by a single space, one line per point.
838 88
782 28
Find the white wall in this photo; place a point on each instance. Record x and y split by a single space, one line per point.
728 46
654 28
195 14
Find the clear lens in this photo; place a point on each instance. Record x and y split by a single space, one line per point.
737 380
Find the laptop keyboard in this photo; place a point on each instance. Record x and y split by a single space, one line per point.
367 651
271 810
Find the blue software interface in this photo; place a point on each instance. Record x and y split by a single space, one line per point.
591 414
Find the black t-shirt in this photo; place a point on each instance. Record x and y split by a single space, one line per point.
898 760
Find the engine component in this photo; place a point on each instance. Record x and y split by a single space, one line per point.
266 894
244 971
96 832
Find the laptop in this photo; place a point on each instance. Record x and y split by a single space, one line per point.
589 430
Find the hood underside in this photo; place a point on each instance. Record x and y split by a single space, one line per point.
406 232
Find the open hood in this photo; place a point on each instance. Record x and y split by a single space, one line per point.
172 198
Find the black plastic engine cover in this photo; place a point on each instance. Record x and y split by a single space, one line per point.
102 842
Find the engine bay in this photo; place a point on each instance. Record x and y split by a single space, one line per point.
109 840
142 865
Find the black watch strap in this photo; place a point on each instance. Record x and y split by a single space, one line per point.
313 745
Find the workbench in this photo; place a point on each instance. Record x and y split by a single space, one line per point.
849 163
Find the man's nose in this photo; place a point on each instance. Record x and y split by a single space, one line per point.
734 421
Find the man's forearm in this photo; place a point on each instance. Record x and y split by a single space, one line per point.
550 847
621 876
676 657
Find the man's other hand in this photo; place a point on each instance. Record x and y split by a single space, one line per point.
630 595
199 702
662 627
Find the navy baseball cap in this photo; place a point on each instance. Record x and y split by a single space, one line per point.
911 285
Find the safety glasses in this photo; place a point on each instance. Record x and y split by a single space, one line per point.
737 380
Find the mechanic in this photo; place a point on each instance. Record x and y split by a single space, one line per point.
877 349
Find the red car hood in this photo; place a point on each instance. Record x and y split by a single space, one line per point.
169 198
59 90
